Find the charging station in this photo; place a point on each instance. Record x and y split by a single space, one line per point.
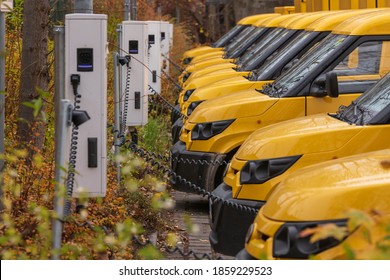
154 54
165 45
135 43
6 5
86 74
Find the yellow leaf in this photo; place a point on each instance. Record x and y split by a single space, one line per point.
325 231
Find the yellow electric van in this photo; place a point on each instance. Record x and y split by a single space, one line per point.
317 195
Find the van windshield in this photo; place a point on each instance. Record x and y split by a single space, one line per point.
273 45
237 40
306 65
225 39
280 58
247 42
251 51
368 105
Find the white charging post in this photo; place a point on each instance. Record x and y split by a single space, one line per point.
85 58
154 53
6 5
165 45
135 42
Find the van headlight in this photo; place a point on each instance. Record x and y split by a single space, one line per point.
288 243
260 171
192 107
187 94
204 131
186 76
187 60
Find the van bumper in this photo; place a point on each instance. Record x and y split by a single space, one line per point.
195 167
244 255
229 223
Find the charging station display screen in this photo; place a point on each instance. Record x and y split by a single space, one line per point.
133 47
85 60
151 39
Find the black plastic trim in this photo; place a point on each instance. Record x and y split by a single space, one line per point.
202 175
228 222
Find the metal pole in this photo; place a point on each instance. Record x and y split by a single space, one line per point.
117 115
83 6
2 99
117 99
60 133
127 10
133 9
120 89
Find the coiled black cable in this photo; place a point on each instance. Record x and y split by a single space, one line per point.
125 103
75 79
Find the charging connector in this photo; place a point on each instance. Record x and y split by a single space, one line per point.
75 81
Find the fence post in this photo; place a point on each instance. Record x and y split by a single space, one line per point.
127 10
133 9
83 6
117 117
60 132
2 99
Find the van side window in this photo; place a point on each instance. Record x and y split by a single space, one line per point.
364 60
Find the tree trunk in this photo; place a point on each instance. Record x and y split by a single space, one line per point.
35 72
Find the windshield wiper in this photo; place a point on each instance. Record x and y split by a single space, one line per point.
266 89
340 113
273 89
253 75
363 111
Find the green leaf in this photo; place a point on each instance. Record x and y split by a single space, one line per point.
35 104
149 252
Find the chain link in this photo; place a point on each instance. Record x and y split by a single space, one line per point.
165 103
172 80
171 158
191 186
178 67
163 245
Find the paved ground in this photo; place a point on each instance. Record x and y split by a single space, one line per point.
196 208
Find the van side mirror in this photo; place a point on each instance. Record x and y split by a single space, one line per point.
332 85
317 89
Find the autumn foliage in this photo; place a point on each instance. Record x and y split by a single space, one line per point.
101 228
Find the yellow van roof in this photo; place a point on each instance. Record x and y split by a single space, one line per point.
377 23
328 23
274 22
308 18
261 22
252 19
